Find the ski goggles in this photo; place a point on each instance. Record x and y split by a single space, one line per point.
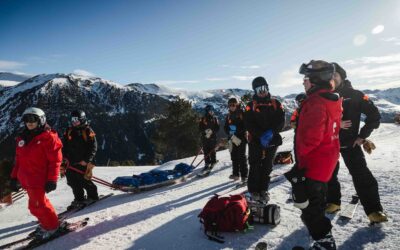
261 89
325 73
30 118
74 119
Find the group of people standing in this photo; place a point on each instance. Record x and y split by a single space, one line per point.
38 163
326 123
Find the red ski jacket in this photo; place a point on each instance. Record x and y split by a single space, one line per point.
317 135
38 161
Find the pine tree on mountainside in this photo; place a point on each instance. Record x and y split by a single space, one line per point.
176 136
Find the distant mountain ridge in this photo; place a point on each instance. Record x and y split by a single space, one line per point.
122 115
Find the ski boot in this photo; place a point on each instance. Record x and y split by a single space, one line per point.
76 204
264 197
234 177
43 234
377 217
332 208
326 243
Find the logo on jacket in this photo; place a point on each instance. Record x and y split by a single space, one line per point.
21 143
38 142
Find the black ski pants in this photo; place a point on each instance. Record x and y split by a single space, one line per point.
260 161
78 184
209 150
364 182
239 161
313 216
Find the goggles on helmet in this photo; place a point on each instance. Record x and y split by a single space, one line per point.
74 119
30 118
324 74
261 89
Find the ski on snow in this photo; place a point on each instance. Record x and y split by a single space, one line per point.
30 242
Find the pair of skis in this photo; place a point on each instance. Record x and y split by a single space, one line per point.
30 241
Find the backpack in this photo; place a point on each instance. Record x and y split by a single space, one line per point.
224 214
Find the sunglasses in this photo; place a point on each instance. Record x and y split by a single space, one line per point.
261 89
29 118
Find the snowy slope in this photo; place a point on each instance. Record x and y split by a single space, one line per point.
167 218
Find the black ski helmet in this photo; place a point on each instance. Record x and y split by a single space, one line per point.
209 108
259 81
341 71
34 114
319 72
232 101
301 97
80 114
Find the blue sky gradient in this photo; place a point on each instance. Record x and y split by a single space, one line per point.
202 44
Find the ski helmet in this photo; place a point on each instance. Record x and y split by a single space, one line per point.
209 108
232 101
259 82
33 114
341 71
319 72
301 97
78 115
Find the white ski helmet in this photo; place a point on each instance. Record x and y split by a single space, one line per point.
41 116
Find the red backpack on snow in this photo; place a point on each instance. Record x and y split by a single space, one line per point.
224 214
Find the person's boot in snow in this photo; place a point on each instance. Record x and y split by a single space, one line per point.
377 217
332 208
234 177
326 243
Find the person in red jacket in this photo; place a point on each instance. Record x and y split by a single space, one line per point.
37 163
299 100
317 150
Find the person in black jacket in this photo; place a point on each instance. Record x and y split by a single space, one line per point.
264 118
352 137
209 126
234 128
80 147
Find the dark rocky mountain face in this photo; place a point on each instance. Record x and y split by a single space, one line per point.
120 116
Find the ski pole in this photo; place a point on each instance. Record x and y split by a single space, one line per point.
191 164
215 149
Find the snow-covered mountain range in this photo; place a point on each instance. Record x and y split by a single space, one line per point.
166 218
121 115
10 79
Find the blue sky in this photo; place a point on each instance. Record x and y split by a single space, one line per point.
202 44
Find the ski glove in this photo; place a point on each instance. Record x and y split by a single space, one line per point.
89 174
296 177
14 185
50 186
368 146
235 140
208 133
266 138
232 129
63 167
230 146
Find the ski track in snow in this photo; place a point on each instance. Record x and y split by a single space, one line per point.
166 218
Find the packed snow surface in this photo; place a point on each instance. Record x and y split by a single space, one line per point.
166 218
